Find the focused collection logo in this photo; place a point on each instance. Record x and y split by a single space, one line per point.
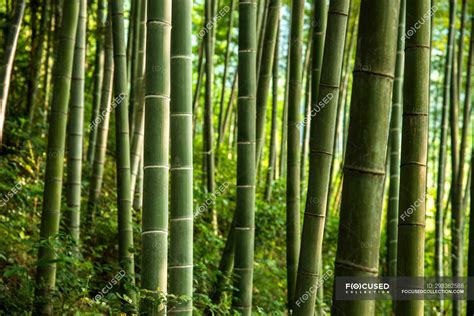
367 288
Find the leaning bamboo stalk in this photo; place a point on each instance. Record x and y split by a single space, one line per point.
341 102
273 137
327 65
265 72
7 63
365 157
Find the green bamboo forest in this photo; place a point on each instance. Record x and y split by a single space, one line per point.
236 157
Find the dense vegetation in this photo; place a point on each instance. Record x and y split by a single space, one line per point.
219 157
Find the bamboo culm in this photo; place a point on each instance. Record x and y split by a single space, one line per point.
98 76
265 73
366 152
181 175
208 135
273 136
395 143
293 149
120 104
226 68
95 185
155 159
244 229
46 267
411 228
138 109
7 61
439 228
75 129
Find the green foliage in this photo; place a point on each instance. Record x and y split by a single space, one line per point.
81 278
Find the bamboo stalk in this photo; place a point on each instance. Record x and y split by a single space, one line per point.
155 161
46 268
365 157
411 227
181 176
120 105
7 61
75 130
245 206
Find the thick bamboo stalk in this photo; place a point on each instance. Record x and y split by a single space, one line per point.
245 208
181 176
411 227
365 157
46 269
155 160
